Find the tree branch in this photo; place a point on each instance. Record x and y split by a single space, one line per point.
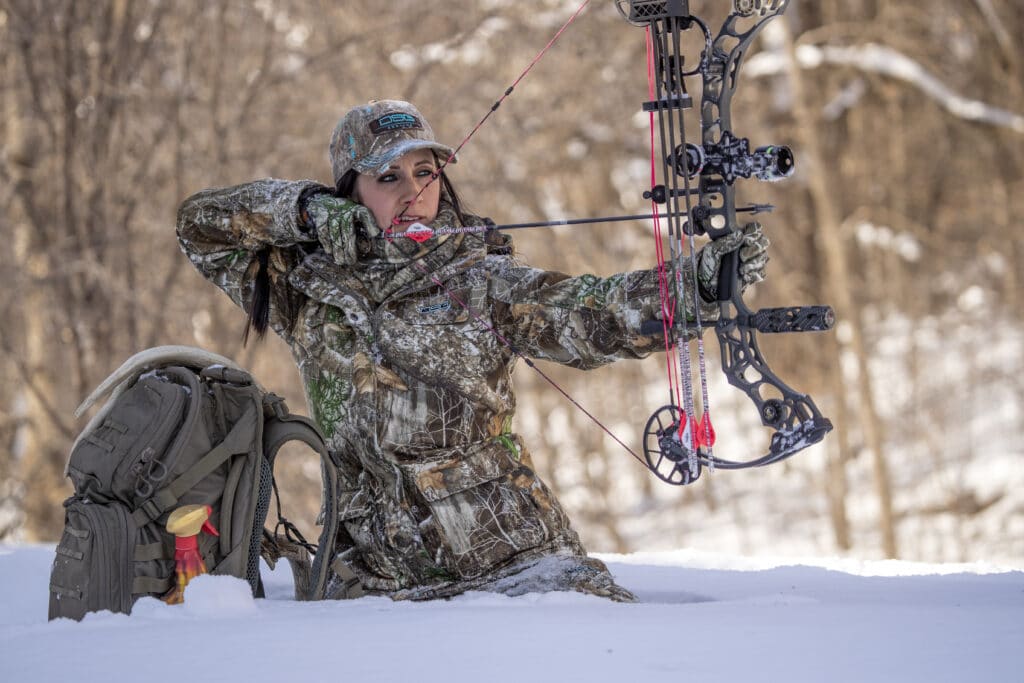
881 59
27 376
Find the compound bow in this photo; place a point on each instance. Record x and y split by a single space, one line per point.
676 444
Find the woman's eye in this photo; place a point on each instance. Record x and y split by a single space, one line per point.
425 172
387 178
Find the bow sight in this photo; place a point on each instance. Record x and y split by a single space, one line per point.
676 443
731 158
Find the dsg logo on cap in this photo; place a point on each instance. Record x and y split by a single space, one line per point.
395 120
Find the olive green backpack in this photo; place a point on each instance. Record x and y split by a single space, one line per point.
182 426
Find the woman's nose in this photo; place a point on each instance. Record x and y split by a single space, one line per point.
410 190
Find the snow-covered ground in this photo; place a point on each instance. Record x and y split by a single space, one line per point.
700 618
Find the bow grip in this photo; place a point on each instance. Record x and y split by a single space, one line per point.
728 275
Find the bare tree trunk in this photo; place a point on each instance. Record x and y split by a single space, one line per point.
836 483
839 286
44 439
43 431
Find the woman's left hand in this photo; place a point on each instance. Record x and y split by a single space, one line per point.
753 254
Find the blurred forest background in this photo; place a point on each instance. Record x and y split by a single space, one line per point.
906 213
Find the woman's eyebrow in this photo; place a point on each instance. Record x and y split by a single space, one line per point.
427 162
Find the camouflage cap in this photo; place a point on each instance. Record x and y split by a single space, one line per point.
371 136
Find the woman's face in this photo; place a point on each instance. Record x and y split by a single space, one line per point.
395 194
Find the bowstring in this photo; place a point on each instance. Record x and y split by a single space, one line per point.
666 88
494 107
671 119
668 305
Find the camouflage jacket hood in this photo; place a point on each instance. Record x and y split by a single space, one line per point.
412 386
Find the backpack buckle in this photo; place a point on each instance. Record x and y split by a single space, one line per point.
150 509
223 373
274 404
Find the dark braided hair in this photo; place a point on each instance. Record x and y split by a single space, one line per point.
259 307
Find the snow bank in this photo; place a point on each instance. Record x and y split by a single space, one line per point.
701 618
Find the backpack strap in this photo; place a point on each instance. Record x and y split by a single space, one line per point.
279 430
238 440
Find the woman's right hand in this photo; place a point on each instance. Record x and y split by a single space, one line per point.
333 221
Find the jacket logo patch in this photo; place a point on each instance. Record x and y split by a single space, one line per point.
395 120
439 307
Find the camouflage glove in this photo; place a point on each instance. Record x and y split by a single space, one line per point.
333 220
753 252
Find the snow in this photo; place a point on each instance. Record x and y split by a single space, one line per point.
701 617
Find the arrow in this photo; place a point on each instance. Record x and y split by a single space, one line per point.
421 233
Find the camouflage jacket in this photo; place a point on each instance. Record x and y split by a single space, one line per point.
414 394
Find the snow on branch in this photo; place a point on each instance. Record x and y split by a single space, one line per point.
881 59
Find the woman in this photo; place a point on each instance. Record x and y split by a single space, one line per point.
406 355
